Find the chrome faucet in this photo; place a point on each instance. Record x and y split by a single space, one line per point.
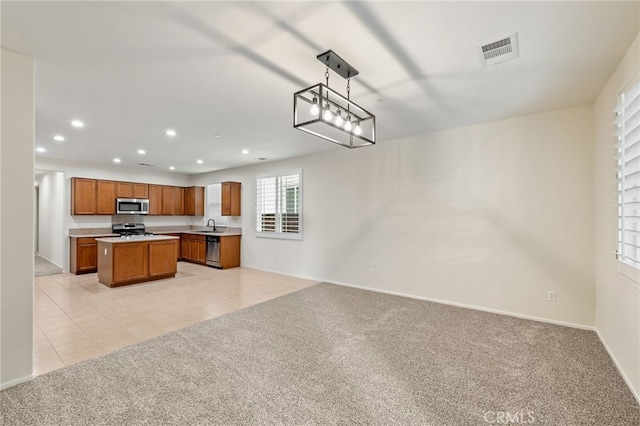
214 224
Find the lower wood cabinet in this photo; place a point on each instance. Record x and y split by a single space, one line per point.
123 263
194 248
230 251
83 255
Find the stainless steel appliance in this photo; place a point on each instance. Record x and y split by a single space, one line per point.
132 206
129 229
213 251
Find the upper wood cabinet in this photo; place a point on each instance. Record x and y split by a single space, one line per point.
94 196
133 190
168 200
106 197
84 196
155 199
231 194
194 201
179 200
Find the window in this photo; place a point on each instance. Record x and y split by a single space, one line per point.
279 205
627 132
213 209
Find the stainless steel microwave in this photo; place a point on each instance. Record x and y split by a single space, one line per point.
132 206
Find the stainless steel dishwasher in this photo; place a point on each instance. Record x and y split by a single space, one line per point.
213 251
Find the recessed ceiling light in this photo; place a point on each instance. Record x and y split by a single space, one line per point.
77 123
58 138
245 151
172 168
199 161
171 132
142 151
217 135
41 149
116 160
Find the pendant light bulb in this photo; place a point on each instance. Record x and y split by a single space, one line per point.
339 119
348 125
357 130
328 115
314 108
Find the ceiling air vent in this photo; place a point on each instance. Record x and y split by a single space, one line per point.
500 50
146 164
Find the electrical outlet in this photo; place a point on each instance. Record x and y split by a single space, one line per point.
551 296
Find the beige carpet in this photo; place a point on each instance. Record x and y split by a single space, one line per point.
335 355
44 267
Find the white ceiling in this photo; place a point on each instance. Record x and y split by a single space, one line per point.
131 70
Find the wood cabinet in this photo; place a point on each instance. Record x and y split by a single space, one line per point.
229 251
83 255
106 201
84 194
178 244
122 263
178 200
162 258
168 200
94 196
231 195
155 199
194 201
194 248
132 190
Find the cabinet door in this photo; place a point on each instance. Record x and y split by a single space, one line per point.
125 190
140 190
162 258
184 252
230 251
83 196
155 199
194 201
168 200
86 255
106 197
202 252
193 250
231 193
130 262
179 200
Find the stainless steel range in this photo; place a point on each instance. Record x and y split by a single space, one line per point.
129 229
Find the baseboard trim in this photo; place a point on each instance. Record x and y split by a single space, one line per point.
474 307
634 392
12 383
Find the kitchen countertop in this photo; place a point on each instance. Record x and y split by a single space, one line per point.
192 231
136 239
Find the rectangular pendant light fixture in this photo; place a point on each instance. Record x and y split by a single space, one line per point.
323 112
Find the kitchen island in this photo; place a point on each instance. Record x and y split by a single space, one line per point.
137 258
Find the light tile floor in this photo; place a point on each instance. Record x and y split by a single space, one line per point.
77 318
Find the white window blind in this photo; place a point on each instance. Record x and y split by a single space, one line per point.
279 205
627 133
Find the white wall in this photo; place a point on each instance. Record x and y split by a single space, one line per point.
490 216
617 298
51 217
16 224
57 202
